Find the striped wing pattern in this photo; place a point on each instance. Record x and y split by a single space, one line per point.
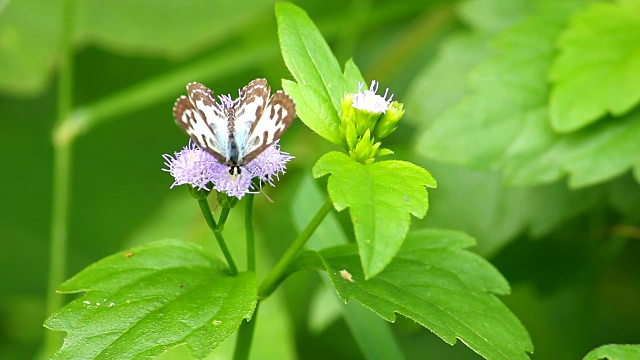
202 118
237 133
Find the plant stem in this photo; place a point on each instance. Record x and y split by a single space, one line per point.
164 86
224 214
61 184
245 335
208 216
58 238
248 225
279 271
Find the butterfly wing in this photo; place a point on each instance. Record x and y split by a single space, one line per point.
203 120
248 109
270 124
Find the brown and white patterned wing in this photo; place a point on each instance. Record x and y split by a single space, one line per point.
248 109
203 120
274 120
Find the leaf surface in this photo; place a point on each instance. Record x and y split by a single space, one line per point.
141 302
437 283
381 197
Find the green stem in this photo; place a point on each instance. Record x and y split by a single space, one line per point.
279 272
61 183
224 214
248 225
208 216
245 335
164 86
58 238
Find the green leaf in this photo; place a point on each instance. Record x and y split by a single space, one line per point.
307 54
496 214
507 88
141 302
133 26
372 334
315 111
375 339
452 296
316 70
443 82
590 156
493 16
352 76
614 352
30 33
598 70
504 124
380 197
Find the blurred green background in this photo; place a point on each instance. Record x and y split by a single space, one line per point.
572 255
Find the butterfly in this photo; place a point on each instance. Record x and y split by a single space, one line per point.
235 132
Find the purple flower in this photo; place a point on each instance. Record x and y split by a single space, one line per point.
234 185
271 163
197 167
191 166
370 101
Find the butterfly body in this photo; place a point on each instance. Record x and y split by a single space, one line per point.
234 131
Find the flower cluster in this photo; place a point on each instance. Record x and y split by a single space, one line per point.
367 117
196 167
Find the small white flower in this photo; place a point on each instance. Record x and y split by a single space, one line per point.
370 101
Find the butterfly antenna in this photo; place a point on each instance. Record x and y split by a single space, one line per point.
267 196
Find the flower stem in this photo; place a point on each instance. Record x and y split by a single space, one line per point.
245 335
154 90
58 238
224 214
62 161
248 225
208 216
277 275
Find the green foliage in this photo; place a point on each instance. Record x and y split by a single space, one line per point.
504 122
380 204
492 89
614 352
141 302
26 54
495 213
436 283
598 69
352 76
315 110
380 197
372 333
320 82
176 29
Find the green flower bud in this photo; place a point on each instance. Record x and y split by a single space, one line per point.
352 135
364 150
366 121
225 200
384 152
373 152
347 112
389 121
198 193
